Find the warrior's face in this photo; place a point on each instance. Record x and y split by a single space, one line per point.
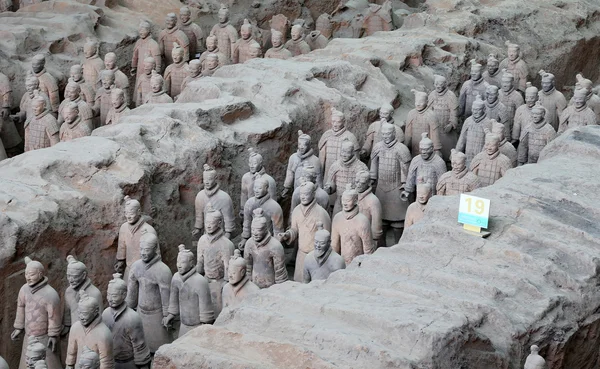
547 84
185 15
147 251
170 22
69 114
421 103
30 86
348 202
513 53
37 65
212 62
491 95
537 115
246 32
426 151
307 195
89 50
458 164
177 57
223 16
132 214
303 146
388 135
109 62
506 84
491 146
423 194
322 244
440 85
115 296
259 231
143 31
33 356
38 107
385 114
87 314
156 85
347 152
296 33
184 264
337 123
493 66
236 273
362 183
149 67
211 43
209 180
475 74
108 81
260 189
76 74
276 39
212 225
117 100
478 111
255 164
530 98
72 92
579 101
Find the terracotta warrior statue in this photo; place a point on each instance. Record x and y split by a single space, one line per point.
303 156
130 233
342 172
390 164
257 170
552 99
469 91
129 341
324 25
214 252
34 354
103 100
472 136
386 113
48 84
578 114
87 91
148 291
515 65
270 208
281 24
218 199
378 18
537 134
78 282
330 144
171 35
90 331
190 295
421 119
118 108
212 65
506 147
32 90
458 180
121 80
38 314
278 51
226 34
264 255
240 286
145 47
490 165
370 206
88 359
534 360
496 110
212 47
523 113
305 218
296 45
509 95
492 75
427 165
316 40
143 86
158 95
416 210
192 31
350 230
194 73
322 261
10 138
593 101
309 174
93 64
241 48
73 95
445 108
176 72
42 129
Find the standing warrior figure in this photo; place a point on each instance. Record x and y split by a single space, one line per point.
523 113
170 35
578 114
534 360
303 156
270 208
469 91
342 172
225 33
240 285
87 90
472 136
103 101
42 130
421 120
386 113
73 95
145 47
32 90
218 199
305 218
121 80
330 143
515 65
350 230
158 95
143 86
129 341
509 95
119 106
490 165
214 252
369 205
78 282
427 165
90 331
192 31
264 255
593 101
322 261
193 74
506 147
241 48
38 313
176 72
148 290
496 110
458 180
552 99
390 164
536 136
416 210
257 170
212 48
130 233
492 73
93 64
8 132
296 45
278 51
48 83
445 108
309 174
190 295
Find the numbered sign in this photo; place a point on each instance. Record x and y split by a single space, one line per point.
474 211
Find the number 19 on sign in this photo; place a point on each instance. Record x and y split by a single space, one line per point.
473 212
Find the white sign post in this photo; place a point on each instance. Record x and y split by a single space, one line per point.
474 214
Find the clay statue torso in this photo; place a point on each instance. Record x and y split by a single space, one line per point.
321 269
174 76
417 123
554 102
226 37
91 69
190 299
128 248
143 89
451 183
493 79
340 174
115 114
214 252
278 53
145 47
248 185
574 117
521 121
273 213
71 301
501 113
430 170
489 168
374 135
49 86
195 36
41 131
96 337
472 137
414 213
166 39
129 341
469 90
445 108
534 139
265 262
351 235
219 200
390 164
370 206
518 68
158 98
233 295
102 104
294 168
330 146
297 47
509 151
